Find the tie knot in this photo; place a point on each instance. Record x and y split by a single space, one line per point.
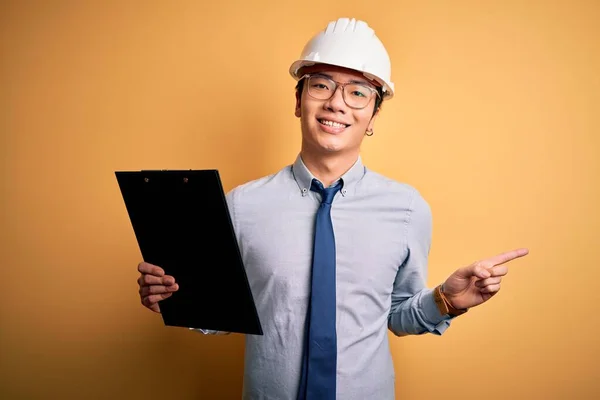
327 194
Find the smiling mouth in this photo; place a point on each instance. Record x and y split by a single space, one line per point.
332 123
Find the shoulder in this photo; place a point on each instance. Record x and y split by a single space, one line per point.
396 191
260 188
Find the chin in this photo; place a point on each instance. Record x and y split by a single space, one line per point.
330 145
332 149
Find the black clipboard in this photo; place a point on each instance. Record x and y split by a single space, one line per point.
182 224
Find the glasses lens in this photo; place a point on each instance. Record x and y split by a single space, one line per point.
357 95
320 87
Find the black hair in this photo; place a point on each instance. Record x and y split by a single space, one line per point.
378 99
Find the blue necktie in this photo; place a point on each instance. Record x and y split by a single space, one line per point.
319 360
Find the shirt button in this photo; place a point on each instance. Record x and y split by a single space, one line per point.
344 191
304 190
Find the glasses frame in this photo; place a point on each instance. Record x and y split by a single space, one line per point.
343 86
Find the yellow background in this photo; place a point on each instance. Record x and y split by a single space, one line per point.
496 121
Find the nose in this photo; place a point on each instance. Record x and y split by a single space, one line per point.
336 102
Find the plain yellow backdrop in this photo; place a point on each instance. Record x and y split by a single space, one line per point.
496 121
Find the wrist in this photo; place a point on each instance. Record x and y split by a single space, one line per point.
444 305
445 296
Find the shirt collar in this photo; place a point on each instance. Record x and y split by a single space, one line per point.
304 177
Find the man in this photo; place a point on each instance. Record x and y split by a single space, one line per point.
337 254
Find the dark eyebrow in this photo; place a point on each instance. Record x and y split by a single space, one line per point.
362 82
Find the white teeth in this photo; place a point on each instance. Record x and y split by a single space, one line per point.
333 124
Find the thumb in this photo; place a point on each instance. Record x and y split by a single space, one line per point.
473 270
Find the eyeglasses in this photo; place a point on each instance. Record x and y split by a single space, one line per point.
355 95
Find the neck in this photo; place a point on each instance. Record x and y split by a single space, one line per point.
328 168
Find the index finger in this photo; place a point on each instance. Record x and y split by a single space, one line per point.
147 268
508 256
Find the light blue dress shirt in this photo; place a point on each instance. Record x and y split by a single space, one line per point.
382 234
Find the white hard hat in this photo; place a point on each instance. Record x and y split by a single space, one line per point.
351 44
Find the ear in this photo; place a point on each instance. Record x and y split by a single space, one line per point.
372 121
298 112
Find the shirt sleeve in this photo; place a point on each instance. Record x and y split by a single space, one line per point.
230 205
413 310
